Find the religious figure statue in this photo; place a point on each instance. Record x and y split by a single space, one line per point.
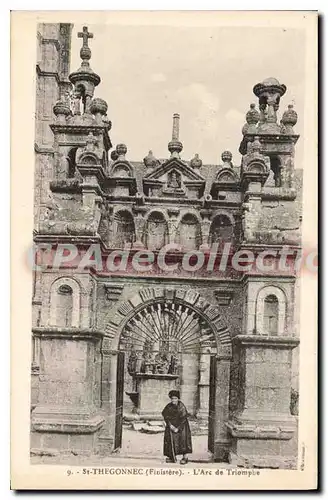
76 102
174 181
161 363
148 363
132 363
173 368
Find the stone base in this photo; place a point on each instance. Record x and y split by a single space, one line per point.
221 451
265 442
262 462
65 430
76 420
55 443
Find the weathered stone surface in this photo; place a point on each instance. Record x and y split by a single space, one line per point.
84 194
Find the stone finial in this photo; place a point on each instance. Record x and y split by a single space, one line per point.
175 146
289 119
98 106
226 158
85 77
269 93
114 155
150 161
252 118
61 109
196 162
252 115
121 151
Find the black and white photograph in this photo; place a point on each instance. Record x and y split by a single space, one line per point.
167 250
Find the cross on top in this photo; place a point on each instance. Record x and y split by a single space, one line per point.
85 35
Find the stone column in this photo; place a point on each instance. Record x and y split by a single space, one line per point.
261 426
221 437
172 223
66 417
287 171
206 224
139 224
204 385
108 398
251 212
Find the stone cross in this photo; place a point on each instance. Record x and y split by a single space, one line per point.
85 35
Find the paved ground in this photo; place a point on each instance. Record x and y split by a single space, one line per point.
143 449
138 444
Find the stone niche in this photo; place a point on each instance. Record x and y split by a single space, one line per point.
149 379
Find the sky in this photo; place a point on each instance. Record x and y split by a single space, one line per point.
206 74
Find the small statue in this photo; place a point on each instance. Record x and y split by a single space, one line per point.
174 181
76 102
132 363
173 368
161 363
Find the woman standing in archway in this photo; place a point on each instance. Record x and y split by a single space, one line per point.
177 436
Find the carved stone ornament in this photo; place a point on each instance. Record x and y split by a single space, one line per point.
113 291
223 297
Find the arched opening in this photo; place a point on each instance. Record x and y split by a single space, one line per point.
271 310
270 315
124 229
156 231
64 306
189 232
221 230
165 345
71 157
275 166
81 93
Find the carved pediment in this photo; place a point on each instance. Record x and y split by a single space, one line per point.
121 168
174 178
187 174
226 180
226 176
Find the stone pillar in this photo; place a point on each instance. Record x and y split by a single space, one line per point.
139 224
252 212
204 385
108 398
287 170
189 382
66 417
206 224
222 440
261 426
172 223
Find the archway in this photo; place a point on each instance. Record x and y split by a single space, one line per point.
164 339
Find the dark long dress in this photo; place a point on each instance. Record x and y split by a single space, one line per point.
180 441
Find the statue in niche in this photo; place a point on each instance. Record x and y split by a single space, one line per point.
76 102
173 368
148 362
270 182
174 180
161 363
132 363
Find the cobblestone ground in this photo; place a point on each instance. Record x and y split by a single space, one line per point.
143 449
151 445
